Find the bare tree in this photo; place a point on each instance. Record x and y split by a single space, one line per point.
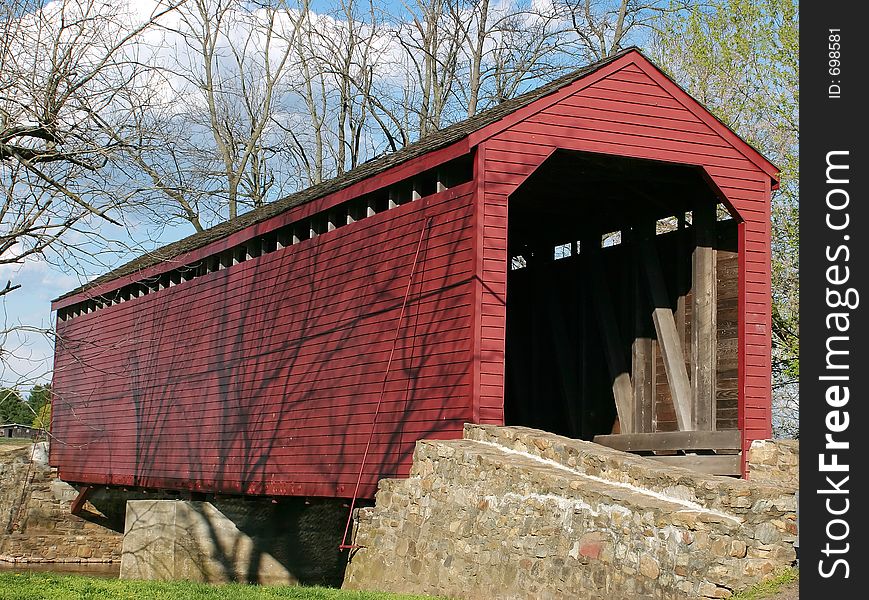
507 45
347 50
66 72
63 120
603 27
307 131
430 37
327 108
224 72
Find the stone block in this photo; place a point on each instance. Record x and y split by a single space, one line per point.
649 567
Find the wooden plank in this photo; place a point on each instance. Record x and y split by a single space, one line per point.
609 331
680 280
612 123
685 150
668 337
642 351
642 378
712 465
672 440
704 328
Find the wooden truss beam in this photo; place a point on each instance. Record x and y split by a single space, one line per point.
78 502
704 326
668 337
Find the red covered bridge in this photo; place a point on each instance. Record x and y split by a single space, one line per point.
590 258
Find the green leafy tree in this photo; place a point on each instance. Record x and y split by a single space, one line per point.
38 399
42 420
741 59
13 409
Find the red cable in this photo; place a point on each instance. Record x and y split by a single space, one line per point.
344 545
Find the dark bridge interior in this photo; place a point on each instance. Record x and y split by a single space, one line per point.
596 244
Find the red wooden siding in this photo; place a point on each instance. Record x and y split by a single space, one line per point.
263 378
630 109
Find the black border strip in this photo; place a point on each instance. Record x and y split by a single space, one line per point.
833 259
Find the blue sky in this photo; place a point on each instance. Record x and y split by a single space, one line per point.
27 352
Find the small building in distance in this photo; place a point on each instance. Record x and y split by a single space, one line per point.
591 258
17 430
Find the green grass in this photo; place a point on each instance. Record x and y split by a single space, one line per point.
15 442
768 588
47 586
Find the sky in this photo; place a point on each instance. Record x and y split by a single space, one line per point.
28 352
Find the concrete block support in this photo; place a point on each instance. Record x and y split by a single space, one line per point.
256 541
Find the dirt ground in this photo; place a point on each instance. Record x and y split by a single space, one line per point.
8 445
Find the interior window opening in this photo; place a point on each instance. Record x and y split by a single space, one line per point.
562 251
613 238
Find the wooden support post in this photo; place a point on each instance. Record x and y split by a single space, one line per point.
642 350
440 185
682 285
78 502
704 326
668 337
609 331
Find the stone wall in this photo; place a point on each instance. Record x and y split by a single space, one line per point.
510 512
35 520
775 462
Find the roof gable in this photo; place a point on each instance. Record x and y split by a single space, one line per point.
632 56
705 115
